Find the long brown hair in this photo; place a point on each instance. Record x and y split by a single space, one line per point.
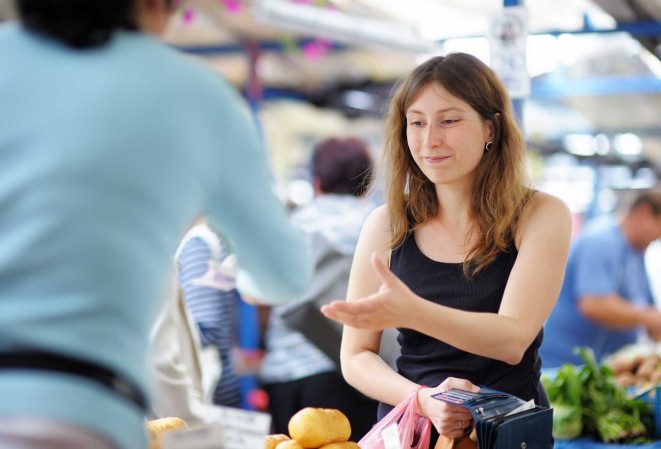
501 187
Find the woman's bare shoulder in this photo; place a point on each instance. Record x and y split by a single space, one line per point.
545 203
376 232
544 211
378 219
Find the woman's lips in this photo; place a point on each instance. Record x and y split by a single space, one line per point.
436 159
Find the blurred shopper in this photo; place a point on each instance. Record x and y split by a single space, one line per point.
606 301
296 373
465 259
192 338
180 375
214 309
112 145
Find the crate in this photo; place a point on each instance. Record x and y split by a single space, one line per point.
652 396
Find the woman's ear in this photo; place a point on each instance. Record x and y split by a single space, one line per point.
153 15
492 124
490 129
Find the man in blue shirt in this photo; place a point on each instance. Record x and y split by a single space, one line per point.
606 301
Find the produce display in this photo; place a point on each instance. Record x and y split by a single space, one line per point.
587 401
314 428
638 370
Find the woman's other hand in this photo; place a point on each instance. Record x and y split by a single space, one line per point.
451 421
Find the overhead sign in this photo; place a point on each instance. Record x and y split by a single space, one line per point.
508 36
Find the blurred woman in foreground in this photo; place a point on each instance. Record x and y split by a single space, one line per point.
111 145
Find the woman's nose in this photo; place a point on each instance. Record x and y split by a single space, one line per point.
434 135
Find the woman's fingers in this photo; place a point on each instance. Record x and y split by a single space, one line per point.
462 384
337 310
387 277
356 314
381 269
377 311
455 425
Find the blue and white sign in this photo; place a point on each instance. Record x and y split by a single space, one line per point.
508 35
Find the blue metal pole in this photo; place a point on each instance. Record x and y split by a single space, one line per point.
249 331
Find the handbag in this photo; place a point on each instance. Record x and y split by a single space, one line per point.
414 430
502 420
330 280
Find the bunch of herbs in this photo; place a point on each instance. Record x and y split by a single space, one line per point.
588 402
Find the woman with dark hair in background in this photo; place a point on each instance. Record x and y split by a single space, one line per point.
111 145
465 258
296 372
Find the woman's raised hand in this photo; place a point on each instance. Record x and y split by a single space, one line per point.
389 307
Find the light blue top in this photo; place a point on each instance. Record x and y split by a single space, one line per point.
106 157
601 262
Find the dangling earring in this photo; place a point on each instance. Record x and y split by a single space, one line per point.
488 146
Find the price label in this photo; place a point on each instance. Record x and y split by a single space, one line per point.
231 429
207 437
242 429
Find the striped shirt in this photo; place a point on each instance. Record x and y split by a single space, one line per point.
214 310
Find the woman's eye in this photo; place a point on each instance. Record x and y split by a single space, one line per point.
416 123
449 122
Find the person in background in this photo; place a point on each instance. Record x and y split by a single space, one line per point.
192 337
214 309
465 258
606 302
112 145
180 373
296 373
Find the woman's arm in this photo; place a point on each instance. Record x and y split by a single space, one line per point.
361 363
543 243
272 256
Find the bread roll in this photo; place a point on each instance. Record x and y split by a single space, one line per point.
166 424
271 441
159 426
313 427
288 444
343 445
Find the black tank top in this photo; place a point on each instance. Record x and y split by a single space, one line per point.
428 361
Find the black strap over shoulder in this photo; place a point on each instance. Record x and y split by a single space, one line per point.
49 361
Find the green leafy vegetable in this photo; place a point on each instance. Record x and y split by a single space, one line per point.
588 402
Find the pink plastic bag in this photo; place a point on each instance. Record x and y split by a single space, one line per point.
414 430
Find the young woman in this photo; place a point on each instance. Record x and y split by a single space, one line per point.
465 258
111 145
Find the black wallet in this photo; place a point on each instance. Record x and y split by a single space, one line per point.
502 420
